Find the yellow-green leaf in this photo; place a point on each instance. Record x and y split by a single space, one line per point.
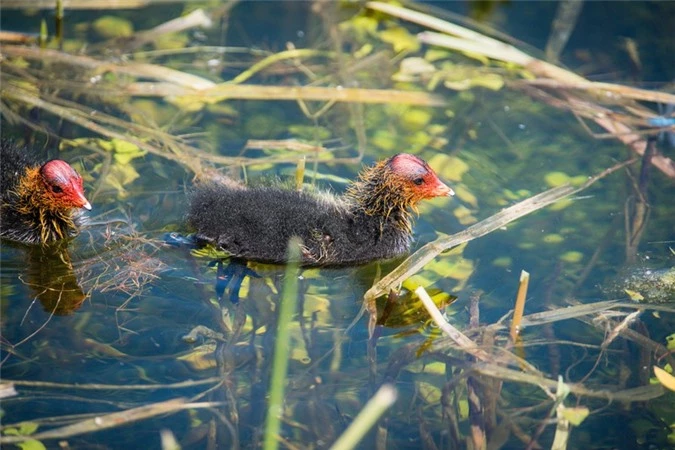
401 39
555 179
575 415
490 81
361 26
430 393
670 342
572 257
27 428
109 27
450 168
31 445
464 215
666 379
413 67
465 195
634 295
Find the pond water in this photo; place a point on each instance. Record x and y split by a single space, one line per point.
122 319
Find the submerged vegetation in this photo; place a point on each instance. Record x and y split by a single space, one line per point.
143 105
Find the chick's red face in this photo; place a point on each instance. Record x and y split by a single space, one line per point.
64 185
419 177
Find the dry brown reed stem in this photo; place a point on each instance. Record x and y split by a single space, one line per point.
84 4
285 144
617 330
639 394
195 19
167 146
520 305
464 343
117 387
225 91
415 262
580 310
16 38
605 91
83 120
140 70
604 323
191 88
603 117
479 438
547 74
112 420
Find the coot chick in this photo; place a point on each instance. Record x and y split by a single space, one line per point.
371 221
40 201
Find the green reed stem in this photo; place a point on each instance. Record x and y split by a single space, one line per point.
59 22
289 297
367 418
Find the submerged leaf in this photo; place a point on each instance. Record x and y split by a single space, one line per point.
27 428
361 26
451 168
670 342
401 39
575 415
201 357
430 393
666 379
634 295
463 193
572 256
31 445
412 68
557 178
415 119
464 216
120 177
490 81
109 27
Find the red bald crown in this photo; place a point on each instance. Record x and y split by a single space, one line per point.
422 178
64 184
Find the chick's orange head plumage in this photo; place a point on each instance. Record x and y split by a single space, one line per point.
63 185
418 177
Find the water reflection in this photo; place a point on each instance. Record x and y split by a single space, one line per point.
51 279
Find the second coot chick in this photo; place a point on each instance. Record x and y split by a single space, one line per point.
40 201
371 221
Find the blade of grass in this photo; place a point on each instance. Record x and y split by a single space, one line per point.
383 399
289 297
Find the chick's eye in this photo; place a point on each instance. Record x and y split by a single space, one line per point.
56 189
418 181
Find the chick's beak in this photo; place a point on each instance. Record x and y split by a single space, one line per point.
443 190
82 202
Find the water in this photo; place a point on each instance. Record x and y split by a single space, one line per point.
120 309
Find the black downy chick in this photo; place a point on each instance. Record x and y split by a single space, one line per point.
371 221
